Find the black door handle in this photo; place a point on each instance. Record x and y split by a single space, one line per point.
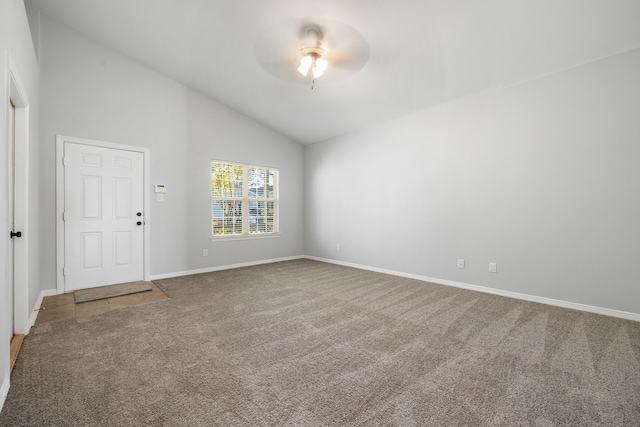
18 234
139 223
139 214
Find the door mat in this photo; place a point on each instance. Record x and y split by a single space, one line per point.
102 292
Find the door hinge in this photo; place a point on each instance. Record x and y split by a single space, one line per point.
63 216
64 161
64 271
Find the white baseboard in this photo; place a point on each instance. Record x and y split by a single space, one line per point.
4 391
38 305
222 267
500 292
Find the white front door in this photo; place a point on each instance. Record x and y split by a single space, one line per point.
103 216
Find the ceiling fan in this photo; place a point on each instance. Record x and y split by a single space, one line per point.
299 51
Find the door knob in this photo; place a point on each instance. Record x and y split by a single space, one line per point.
18 234
139 223
139 214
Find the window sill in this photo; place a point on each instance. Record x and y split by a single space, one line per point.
243 237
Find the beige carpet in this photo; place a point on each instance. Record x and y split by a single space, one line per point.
102 292
303 343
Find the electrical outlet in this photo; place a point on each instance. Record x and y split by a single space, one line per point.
493 267
205 252
338 246
460 263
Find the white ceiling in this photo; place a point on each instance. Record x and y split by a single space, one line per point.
422 52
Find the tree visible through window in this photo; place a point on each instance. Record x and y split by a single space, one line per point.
244 199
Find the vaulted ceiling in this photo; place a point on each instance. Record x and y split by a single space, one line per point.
421 52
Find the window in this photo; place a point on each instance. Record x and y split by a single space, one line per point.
244 200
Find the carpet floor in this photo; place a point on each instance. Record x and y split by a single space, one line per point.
305 343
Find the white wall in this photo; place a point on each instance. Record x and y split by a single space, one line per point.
90 91
16 54
542 178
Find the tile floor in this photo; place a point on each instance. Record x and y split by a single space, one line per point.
60 307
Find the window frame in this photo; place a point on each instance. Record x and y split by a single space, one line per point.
245 202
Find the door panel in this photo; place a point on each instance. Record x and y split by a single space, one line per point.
122 198
123 248
91 251
103 192
91 197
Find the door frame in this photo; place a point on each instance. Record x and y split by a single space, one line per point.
17 94
60 235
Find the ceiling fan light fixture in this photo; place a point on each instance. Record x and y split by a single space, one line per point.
304 71
305 64
313 54
321 64
316 72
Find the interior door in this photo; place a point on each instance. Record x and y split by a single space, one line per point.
13 235
103 216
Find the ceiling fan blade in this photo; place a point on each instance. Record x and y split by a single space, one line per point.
348 50
347 63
